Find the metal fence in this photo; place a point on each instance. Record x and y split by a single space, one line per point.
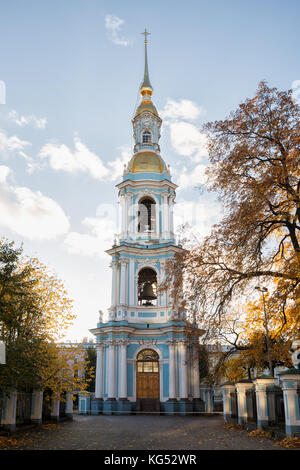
46 410
1 407
234 407
218 406
23 408
62 406
275 406
251 405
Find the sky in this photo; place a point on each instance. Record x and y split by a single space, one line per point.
70 72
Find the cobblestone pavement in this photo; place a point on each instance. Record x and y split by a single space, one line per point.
140 433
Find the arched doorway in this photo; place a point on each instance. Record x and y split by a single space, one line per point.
147 380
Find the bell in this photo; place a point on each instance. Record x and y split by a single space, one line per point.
147 293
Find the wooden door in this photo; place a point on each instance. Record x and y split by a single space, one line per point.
147 375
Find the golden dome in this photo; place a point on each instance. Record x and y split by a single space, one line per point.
146 162
146 106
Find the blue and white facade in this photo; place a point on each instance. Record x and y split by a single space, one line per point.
140 317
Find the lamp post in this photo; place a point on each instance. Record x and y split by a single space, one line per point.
263 290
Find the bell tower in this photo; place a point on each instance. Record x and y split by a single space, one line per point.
146 241
144 357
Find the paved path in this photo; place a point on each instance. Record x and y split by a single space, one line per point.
141 433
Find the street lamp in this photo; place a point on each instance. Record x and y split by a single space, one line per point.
263 290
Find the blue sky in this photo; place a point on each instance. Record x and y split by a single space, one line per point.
72 70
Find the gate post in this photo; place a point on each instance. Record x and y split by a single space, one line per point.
8 418
261 385
227 388
36 406
69 405
241 387
290 384
55 404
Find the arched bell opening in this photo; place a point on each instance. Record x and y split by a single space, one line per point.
146 215
147 287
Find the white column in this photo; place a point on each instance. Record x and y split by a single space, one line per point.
227 387
290 384
55 405
130 214
171 222
123 281
114 266
37 406
8 419
99 372
123 216
261 385
111 370
183 372
69 405
172 371
241 388
165 216
125 208
131 282
195 369
123 370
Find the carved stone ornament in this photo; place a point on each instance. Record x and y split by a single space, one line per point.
101 316
146 120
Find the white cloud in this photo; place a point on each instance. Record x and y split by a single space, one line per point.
101 232
62 158
11 144
185 137
29 213
187 140
4 172
183 109
21 121
81 159
117 165
189 179
112 25
14 145
199 216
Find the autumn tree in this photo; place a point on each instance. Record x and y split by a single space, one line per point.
243 332
35 312
91 358
255 169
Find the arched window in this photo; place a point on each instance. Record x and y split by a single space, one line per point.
146 137
147 361
146 215
147 287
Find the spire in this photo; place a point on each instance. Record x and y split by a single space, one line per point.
146 87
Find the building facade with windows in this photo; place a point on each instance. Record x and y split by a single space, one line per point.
144 358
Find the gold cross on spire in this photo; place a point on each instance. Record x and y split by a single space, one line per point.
145 33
